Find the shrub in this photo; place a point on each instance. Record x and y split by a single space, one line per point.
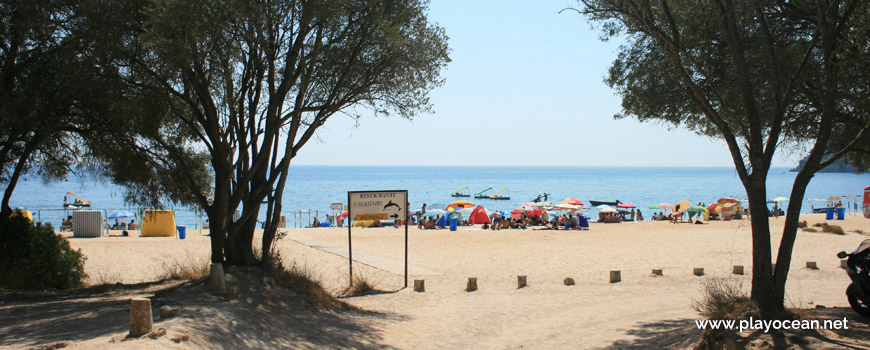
802 224
33 257
360 286
722 299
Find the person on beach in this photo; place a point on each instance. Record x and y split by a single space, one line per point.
639 215
316 222
132 225
423 211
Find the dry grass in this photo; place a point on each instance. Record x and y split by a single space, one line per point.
104 277
362 285
828 228
302 281
810 229
722 299
802 224
187 269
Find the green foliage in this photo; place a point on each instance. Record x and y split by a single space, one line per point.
33 257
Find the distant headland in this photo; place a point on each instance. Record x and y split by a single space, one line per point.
838 166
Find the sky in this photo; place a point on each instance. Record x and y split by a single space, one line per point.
524 88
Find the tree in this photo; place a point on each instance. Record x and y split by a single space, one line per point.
251 83
52 91
759 74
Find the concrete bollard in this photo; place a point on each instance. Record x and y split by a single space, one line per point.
569 281
698 271
737 270
216 277
842 264
772 267
812 265
615 276
419 286
521 281
140 317
657 272
472 284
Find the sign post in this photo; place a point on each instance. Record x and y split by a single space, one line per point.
376 205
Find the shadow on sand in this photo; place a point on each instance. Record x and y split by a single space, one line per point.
256 315
681 334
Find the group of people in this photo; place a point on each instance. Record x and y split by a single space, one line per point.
612 218
120 225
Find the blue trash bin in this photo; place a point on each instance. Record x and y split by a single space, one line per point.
182 231
841 213
829 213
453 223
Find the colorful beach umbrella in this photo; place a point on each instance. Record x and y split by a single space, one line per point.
572 201
461 204
625 205
542 204
654 207
121 214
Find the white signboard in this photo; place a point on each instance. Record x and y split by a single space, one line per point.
378 205
335 206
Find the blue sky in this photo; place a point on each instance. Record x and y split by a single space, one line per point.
524 89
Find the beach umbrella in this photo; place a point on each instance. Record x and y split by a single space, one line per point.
344 213
779 200
121 214
573 201
682 205
461 204
697 209
666 206
654 207
542 204
527 204
435 212
436 206
565 206
625 205
606 209
726 200
715 208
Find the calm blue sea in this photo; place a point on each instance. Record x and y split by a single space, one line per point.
316 187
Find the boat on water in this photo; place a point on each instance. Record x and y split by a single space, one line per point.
78 202
503 194
597 203
462 192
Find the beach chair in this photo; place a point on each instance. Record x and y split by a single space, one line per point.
583 222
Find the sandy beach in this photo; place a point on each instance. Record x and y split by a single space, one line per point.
640 311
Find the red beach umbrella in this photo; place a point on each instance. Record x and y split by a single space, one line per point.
625 205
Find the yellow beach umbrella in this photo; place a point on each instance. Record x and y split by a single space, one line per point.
461 204
682 205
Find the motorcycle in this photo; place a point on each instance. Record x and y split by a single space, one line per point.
858 269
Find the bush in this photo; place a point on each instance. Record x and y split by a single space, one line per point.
304 284
802 224
189 269
833 229
33 257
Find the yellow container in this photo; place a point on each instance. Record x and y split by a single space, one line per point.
158 223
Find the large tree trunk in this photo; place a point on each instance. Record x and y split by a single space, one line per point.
763 291
5 209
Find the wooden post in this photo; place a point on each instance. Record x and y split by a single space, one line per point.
737 269
472 284
698 271
140 316
418 286
569 281
615 276
521 281
843 264
812 265
657 272
216 277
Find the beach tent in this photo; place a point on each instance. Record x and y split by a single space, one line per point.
478 216
27 214
158 223
461 204
442 221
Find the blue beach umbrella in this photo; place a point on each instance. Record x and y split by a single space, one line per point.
121 214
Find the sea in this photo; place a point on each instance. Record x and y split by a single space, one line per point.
311 190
